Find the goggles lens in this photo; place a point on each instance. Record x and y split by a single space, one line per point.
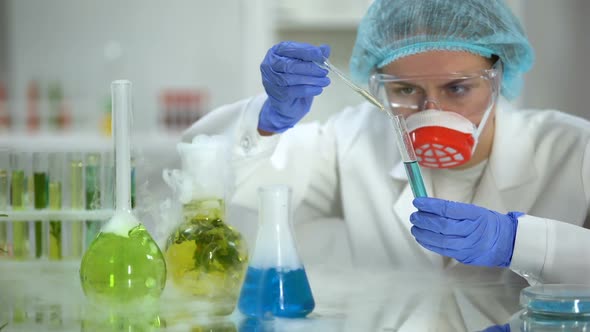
469 95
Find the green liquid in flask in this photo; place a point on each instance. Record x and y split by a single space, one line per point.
121 270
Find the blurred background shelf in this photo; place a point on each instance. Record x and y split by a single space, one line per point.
217 48
80 142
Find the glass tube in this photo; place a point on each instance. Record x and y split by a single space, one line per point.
40 194
29 182
18 186
76 174
4 198
56 174
93 202
133 188
108 201
409 158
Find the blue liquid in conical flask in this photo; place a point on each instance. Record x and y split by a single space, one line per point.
276 292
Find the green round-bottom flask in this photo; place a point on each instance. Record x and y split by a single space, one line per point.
123 268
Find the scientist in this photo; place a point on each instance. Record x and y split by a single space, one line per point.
512 187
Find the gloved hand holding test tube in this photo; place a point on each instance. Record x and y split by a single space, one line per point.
404 142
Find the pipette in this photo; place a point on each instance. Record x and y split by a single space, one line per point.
404 142
366 94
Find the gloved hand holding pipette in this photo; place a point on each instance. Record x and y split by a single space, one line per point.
291 79
471 234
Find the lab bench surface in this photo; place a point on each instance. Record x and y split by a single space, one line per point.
47 296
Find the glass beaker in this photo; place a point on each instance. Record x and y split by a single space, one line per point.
276 282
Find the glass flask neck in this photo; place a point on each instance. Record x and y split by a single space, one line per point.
205 209
275 244
274 207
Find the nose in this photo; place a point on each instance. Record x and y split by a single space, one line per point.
430 105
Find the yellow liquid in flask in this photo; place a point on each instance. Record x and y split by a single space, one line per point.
123 270
207 259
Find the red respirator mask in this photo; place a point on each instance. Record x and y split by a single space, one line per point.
443 139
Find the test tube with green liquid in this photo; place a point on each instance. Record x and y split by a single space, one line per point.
56 173
40 194
4 198
18 187
93 199
29 183
76 173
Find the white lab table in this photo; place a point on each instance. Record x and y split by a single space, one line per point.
46 296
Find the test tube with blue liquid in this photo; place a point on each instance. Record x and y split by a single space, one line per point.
408 156
276 283
404 142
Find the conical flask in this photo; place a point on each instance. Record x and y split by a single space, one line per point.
123 267
276 283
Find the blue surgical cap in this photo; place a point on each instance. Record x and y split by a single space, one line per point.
392 29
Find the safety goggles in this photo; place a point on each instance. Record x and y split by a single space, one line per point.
468 94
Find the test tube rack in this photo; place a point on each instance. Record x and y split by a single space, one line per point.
53 210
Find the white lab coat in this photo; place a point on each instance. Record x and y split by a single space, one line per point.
350 168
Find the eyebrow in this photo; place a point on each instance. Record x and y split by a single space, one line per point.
453 82
446 84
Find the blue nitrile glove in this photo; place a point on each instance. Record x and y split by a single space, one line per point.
470 234
291 80
498 328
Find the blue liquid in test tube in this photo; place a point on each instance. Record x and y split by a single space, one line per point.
415 179
409 157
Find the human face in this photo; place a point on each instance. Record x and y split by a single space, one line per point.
447 81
